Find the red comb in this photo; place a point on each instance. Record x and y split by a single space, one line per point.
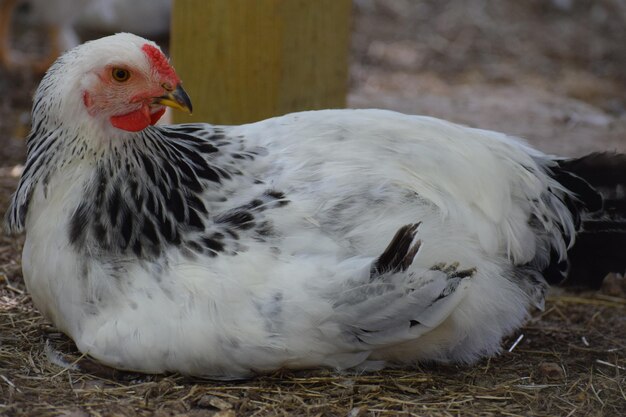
160 63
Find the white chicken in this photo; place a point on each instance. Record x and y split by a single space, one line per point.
336 238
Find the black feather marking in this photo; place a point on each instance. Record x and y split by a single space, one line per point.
189 178
223 173
197 204
232 234
399 254
23 210
171 133
191 154
138 200
147 193
255 203
590 197
194 220
450 287
184 128
194 246
166 228
127 228
213 244
148 230
101 186
171 173
163 190
147 164
137 249
265 229
192 183
114 205
78 223
243 220
176 206
135 194
99 232
207 148
278 195
208 173
152 204
185 168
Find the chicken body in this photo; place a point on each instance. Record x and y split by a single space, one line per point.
336 238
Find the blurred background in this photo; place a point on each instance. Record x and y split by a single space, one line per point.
551 71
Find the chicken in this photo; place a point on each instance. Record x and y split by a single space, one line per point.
336 238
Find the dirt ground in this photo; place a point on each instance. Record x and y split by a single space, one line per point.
551 71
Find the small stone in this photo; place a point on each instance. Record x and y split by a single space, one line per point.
367 389
614 285
211 401
551 371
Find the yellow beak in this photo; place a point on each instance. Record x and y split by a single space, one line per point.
177 99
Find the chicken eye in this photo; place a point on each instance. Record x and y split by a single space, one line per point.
120 74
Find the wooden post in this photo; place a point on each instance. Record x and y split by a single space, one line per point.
247 60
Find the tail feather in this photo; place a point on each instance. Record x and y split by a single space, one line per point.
393 306
600 169
598 181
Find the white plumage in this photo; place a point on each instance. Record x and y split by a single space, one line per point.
227 250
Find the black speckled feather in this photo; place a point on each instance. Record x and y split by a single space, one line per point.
154 198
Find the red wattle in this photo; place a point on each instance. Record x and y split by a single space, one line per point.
134 121
154 117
